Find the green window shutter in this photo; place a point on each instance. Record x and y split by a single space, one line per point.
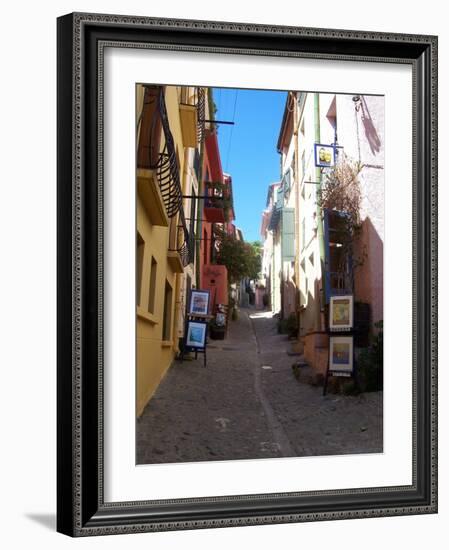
288 234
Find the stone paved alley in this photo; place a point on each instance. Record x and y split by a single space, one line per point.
247 404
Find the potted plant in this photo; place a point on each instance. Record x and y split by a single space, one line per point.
217 326
216 332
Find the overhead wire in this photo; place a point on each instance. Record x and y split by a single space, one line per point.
232 130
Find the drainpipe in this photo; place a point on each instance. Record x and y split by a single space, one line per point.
179 277
320 232
199 218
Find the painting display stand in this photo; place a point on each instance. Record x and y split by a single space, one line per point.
336 372
186 348
341 327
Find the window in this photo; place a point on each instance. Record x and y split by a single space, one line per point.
168 298
338 254
139 266
173 234
288 234
152 294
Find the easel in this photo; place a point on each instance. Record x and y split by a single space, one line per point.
347 331
196 350
202 318
185 348
329 372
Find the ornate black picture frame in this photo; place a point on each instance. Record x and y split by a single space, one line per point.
81 509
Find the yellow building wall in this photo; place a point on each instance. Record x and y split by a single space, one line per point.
153 355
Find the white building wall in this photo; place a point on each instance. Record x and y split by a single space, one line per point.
361 132
289 288
276 272
327 110
309 255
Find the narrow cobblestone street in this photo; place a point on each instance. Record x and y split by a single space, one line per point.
247 404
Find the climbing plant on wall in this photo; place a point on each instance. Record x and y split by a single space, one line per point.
341 192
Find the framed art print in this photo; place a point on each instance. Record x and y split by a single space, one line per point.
199 302
341 355
196 334
243 175
341 313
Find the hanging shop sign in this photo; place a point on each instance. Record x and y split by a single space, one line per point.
324 155
341 313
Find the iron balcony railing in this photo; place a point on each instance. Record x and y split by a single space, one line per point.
184 243
157 149
197 98
275 217
214 197
286 182
276 210
340 282
201 114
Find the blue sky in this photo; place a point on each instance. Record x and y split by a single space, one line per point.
248 149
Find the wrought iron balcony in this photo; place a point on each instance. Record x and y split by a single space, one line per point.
157 149
286 183
340 282
201 113
195 98
276 210
216 204
275 217
214 201
183 242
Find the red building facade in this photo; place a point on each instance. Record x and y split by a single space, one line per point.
218 216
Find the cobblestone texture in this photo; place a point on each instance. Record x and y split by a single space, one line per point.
247 404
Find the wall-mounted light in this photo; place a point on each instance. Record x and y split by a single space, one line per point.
357 101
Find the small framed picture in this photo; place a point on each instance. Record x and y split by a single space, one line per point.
196 334
341 313
324 155
341 355
199 302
